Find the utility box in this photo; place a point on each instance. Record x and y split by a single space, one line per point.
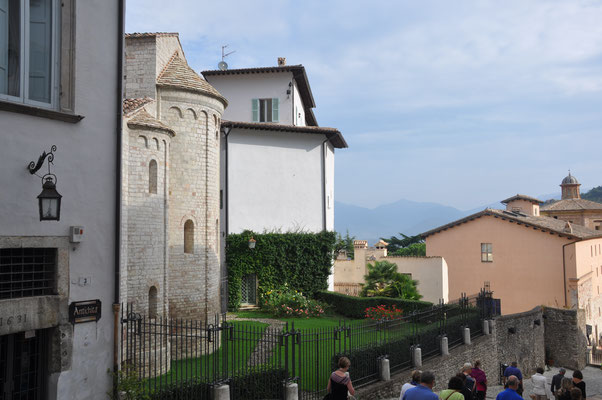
76 234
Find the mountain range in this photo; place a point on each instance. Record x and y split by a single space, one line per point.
405 216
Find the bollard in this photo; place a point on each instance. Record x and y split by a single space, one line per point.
417 357
492 326
466 335
485 327
221 392
385 373
444 346
291 391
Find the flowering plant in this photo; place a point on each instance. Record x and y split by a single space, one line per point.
382 312
288 302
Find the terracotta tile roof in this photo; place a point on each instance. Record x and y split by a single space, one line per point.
522 197
332 134
177 74
299 75
133 104
545 224
572 205
143 120
149 34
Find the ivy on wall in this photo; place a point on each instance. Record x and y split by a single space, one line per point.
301 260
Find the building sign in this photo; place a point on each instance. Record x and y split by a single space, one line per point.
84 311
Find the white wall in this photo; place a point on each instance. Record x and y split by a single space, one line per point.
298 109
239 90
274 181
329 164
85 167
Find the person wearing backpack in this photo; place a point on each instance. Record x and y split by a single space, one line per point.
454 390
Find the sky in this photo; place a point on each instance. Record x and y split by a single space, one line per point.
462 103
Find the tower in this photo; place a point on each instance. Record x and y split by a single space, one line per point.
570 187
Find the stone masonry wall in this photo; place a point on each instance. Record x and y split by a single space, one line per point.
140 65
525 345
565 340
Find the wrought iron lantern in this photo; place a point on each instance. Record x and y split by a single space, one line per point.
49 200
252 243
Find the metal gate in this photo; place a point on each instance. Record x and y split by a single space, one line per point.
248 288
23 366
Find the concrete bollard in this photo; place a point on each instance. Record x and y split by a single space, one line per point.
221 392
466 335
291 391
444 346
485 327
385 372
417 357
492 326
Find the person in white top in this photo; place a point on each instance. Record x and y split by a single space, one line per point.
415 382
539 386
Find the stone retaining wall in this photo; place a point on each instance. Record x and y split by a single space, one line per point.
565 340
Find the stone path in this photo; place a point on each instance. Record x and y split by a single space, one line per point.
265 346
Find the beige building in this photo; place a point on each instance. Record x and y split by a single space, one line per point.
528 259
573 208
430 272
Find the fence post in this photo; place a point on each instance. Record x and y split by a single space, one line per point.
221 392
485 327
444 346
417 357
291 391
492 326
385 372
466 335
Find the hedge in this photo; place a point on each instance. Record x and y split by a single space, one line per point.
301 260
355 307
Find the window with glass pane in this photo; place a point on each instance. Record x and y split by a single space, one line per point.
486 252
27 43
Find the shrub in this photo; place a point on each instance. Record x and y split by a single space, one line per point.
382 312
355 307
384 280
289 302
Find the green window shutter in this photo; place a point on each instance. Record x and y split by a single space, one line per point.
275 110
255 108
3 45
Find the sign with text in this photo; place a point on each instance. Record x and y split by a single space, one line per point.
84 311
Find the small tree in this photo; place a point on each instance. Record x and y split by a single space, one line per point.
384 280
396 244
415 249
344 243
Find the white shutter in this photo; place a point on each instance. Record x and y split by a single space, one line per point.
275 109
40 49
255 109
3 46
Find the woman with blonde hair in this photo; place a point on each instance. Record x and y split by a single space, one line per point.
340 383
564 393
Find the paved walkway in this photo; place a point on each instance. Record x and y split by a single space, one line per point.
591 375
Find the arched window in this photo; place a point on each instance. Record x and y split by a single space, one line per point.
152 176
189 237
152 302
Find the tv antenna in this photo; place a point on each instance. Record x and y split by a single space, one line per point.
223 65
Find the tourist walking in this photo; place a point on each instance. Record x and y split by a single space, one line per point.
539 385
564 393
481 379
424 391
469 384
340 383
453 391
556 380
510 393
578 382
513 370
413 383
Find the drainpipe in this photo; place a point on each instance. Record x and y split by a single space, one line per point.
323 185
226 219
566 303
119 126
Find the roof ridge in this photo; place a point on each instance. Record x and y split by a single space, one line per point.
173 56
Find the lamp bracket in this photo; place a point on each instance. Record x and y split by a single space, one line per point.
35 167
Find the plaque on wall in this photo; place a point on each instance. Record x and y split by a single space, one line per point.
84 311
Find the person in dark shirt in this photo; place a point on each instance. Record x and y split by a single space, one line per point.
557 379
576 394
514 371
578 382
510 393
564 393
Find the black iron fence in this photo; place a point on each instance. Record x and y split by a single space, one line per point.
180 359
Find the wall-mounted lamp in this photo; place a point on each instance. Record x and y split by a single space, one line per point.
252 243
49 200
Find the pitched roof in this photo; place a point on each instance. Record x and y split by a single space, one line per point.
332 134
299 75
572 205
545 224
143 120
149 34
522 197
133 104
177 74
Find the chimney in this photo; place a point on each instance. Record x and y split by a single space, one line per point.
281 61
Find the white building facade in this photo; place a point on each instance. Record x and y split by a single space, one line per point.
60 82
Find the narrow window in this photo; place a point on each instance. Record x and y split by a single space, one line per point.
265 110
486 252
152 302
152 177
189 237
